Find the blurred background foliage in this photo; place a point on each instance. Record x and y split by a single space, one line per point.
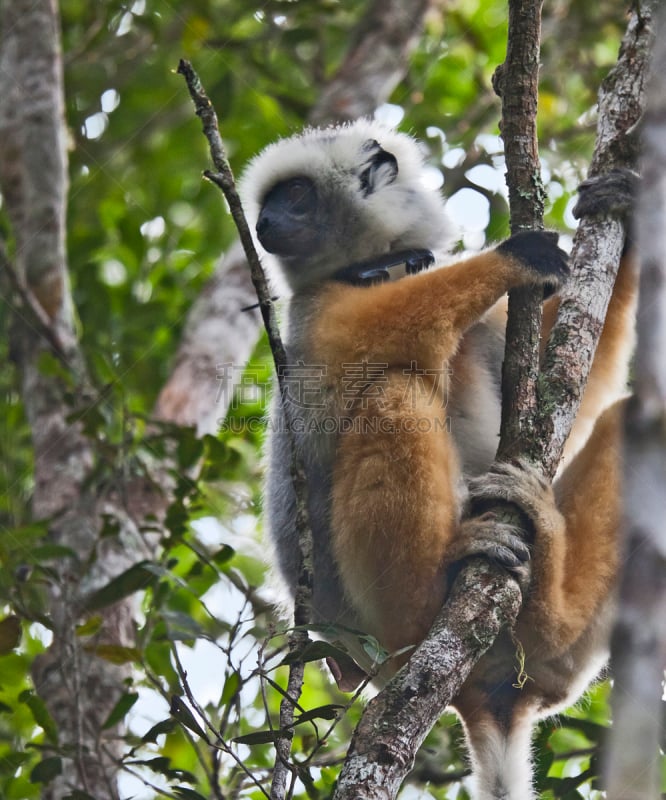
145 233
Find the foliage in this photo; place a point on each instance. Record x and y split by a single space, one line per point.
145 232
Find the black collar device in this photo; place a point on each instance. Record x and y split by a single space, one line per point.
386 267
380 269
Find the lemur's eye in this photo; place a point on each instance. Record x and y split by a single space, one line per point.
297 197
300 195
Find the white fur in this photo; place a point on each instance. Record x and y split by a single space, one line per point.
502 764
403 214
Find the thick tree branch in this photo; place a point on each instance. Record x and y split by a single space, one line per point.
375 62
598 245
519 95
217 331
397 720
639 641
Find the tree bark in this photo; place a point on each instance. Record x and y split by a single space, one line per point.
639 642
598 245
217 331
396 721
375 63
78 689
520 369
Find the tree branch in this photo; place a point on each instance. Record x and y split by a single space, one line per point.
519 94
395 723
597 249
375 62
298 638
638 647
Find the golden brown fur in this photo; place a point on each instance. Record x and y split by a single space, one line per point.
395 494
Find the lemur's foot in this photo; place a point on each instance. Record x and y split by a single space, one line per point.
484 532
613 193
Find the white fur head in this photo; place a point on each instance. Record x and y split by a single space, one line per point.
370 194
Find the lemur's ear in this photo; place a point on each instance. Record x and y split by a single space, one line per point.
380 170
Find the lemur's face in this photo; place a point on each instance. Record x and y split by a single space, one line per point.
289 223
309 222
328 198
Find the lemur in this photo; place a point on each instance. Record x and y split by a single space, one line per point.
405 361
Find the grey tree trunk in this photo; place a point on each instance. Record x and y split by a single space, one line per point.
633 764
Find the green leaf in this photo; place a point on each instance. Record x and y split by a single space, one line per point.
166 726
40 714
47 552
132 580
190 448
90 626
329 711
46 770
159 764
593 731
315 651
258 737
120 709
10 762
224 555
187 794
183 714
181 626
230 689
114 653
10 634
177 519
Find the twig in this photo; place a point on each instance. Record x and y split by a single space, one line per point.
152 786
219 743
298 638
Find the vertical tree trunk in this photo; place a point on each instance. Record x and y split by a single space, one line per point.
79 689
520 93
639 641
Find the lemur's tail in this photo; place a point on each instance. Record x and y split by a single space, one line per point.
501 759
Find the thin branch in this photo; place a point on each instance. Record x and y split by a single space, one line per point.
298 638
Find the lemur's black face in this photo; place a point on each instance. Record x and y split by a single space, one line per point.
287 224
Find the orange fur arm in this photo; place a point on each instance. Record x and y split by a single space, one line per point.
421 316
